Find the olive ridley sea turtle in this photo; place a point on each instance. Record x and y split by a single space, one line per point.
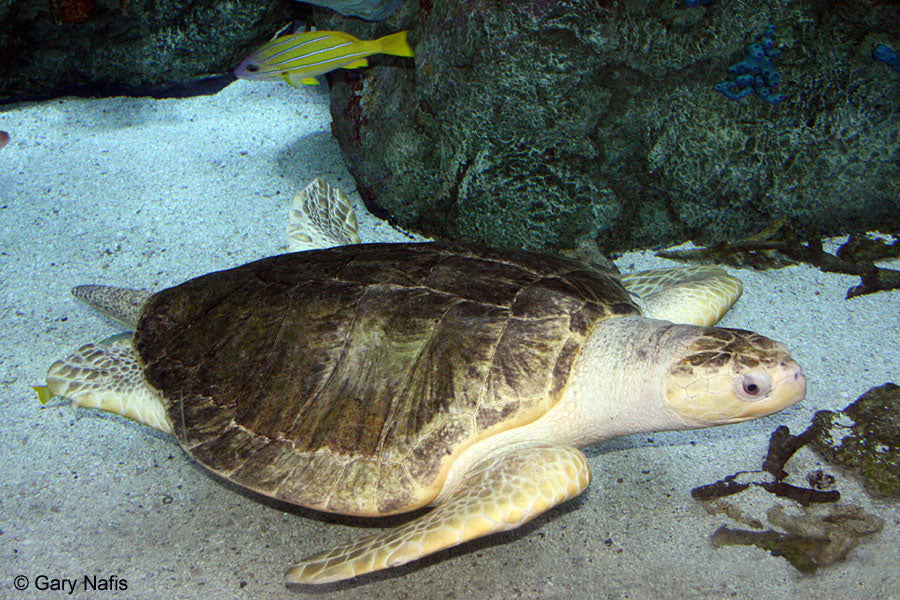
376 379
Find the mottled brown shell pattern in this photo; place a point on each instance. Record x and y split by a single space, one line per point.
348 379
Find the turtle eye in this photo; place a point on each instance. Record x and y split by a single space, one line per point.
752 386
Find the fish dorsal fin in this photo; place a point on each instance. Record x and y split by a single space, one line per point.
286 30
321 217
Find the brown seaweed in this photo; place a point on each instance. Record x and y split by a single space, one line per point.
724 487
715 507
801 495
782 446
817 536
794 548
780 246
864 248
810 541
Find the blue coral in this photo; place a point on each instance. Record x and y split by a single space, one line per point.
756 73
885 54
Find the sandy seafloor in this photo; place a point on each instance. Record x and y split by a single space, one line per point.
147 193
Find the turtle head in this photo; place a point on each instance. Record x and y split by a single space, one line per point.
730 375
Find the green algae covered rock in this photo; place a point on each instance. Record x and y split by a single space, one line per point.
865 438
112 47
537 124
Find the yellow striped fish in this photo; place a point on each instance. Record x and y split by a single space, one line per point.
300 57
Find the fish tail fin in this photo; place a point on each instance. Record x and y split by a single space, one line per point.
395 44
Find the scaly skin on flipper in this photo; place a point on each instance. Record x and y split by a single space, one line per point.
694 295
108 377
502 492
321 217
122 304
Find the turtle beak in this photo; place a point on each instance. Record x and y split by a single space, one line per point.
789 388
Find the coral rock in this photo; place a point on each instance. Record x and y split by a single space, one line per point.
865 438
538 124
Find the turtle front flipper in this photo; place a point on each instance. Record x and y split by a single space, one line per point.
321 217
691 295
501 492
108 377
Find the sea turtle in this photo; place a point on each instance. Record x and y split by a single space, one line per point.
375 379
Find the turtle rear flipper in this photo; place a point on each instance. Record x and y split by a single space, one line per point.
108 377
691 295
502 492
321 217
122 304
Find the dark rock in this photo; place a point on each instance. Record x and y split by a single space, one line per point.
137 47
537 124
371 10
865 438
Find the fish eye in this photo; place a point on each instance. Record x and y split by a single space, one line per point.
252 68
752 386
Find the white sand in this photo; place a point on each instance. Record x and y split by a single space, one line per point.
148 193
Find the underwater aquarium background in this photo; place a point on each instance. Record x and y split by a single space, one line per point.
147 192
